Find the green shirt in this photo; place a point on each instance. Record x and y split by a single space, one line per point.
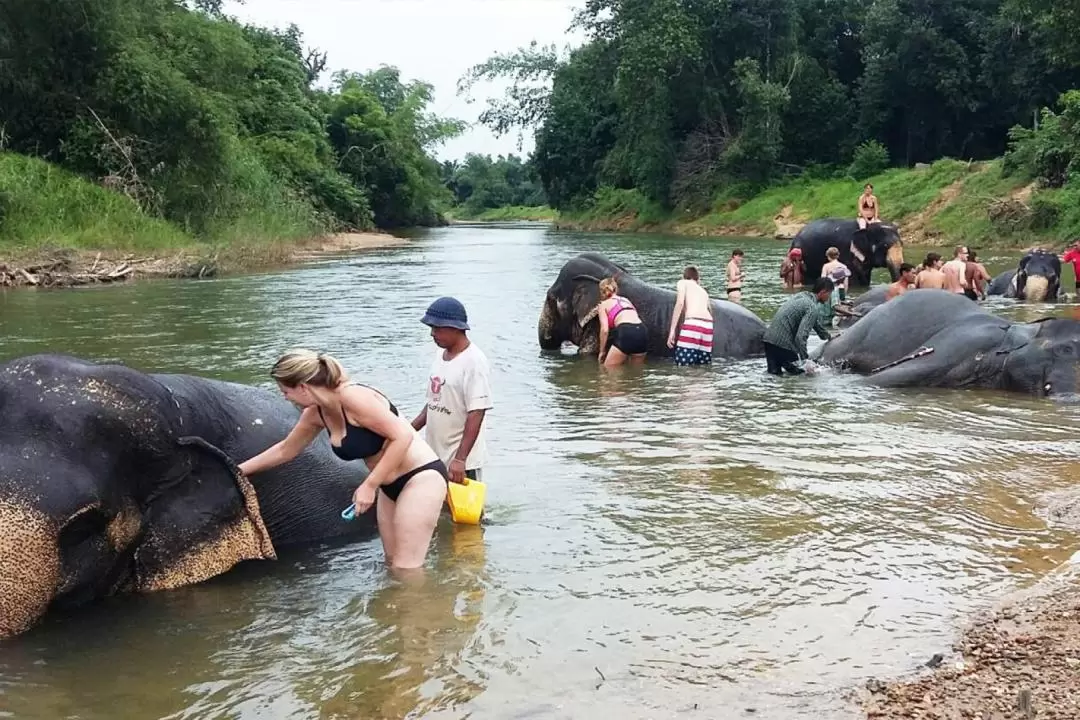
790 327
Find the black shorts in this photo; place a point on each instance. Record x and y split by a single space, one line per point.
631 338
971 294
778 359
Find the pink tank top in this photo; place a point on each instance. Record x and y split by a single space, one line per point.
621 304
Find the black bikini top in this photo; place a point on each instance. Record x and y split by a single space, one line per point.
358 442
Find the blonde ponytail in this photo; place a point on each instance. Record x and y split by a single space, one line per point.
301 366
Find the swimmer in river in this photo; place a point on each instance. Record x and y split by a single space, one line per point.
977 277
838 272
407 482
903 284
956 272
931 276
735 276
793 269
695 342
622 334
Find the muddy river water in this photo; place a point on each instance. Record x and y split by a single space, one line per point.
664 542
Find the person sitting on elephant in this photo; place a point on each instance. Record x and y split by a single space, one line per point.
838 272
901 286
620 322
931 275
785 339
695 342
868 207
793 269
406 474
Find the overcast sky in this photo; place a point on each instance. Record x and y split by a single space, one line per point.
431 40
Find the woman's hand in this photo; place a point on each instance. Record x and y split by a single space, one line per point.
363 498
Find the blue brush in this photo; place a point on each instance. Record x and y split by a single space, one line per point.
348 513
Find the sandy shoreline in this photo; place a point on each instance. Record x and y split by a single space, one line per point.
65 267
1019 658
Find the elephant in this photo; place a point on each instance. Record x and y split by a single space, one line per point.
569 312
1037 278
879 245
935 338
113 480
863 304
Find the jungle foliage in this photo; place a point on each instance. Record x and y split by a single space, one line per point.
688 100
216 126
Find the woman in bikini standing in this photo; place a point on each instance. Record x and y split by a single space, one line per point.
620 321
404 472
868 207
695 342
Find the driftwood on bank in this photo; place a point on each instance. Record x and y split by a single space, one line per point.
68 271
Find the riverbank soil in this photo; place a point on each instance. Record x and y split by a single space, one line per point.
1018 659
66 267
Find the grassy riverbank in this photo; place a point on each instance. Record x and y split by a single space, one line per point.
515 212
945 203
57 228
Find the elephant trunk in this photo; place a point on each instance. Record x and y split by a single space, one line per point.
1036 288
546 328
29 566
894 258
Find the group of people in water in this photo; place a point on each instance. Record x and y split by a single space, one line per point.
407 473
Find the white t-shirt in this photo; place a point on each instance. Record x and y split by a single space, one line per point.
455 388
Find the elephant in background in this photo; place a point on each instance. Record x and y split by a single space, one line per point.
569 312
113 480
861 250
1036 278
934 338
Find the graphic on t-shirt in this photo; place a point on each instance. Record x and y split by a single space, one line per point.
437 385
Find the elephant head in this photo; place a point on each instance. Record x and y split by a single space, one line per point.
1047 359
569 312
1038 277
879 245
102 490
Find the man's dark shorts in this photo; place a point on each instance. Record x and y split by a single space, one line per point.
778 359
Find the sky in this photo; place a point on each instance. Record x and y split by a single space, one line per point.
436 41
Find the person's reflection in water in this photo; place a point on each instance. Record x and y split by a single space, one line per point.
428 619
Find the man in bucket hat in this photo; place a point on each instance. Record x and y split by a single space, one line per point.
458 393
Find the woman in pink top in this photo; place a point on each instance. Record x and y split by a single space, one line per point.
620 322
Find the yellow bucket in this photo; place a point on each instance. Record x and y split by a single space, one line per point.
467 501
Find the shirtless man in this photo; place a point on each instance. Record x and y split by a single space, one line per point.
868 207
977 277
696 335
902 285
735 276
931 276
956 271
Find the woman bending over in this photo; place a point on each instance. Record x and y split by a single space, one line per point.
404 472
620 321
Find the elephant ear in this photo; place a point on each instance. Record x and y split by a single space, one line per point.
586 300
199 523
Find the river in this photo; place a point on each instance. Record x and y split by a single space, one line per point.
663 542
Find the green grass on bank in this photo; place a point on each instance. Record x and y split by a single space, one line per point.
513 212
45 206
950 201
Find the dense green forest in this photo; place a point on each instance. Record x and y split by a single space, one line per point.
692 103
216 127
480 183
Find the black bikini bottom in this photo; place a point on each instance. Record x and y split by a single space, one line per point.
394 489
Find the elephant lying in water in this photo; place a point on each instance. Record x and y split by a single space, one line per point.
1037 278
934 338
113 480
569 313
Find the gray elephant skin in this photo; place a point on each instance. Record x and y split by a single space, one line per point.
879 244
971 347
569 312
1036 278
113 480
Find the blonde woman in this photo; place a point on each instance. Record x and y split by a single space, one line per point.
620 321
404 472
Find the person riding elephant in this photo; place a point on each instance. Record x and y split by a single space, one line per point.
1036 278
878 245
936 338
569 313
113 480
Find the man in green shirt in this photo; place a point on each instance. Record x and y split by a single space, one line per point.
786 336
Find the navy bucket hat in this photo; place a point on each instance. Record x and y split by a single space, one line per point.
446 312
